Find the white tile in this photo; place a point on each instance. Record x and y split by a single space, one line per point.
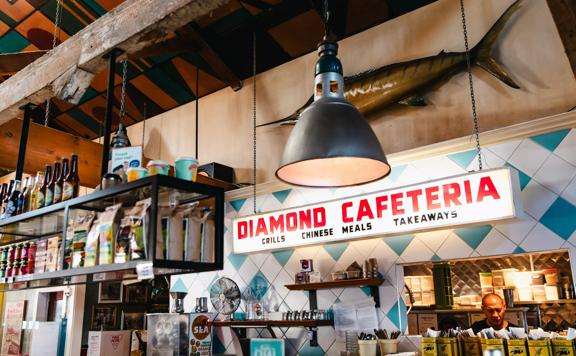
247 271
412 175
495 244
259 258
326 298
272 300
385 256
297 300
352 294
517 229
529 156
572 240
417 251
540 238
350 256
454 247
536 199
570 192
271 268
323 263
326 337
438 167
505 150
365 247
489 160
387 324
293 264
434 239
555 174
388 296
406 345
567 148
281 280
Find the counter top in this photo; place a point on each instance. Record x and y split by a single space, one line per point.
460 310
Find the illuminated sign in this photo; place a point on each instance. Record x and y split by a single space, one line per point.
473 198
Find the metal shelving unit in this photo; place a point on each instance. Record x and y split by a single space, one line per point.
164 192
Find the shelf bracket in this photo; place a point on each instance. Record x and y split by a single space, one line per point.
375 293
313 299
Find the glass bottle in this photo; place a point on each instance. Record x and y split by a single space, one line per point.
2 195
44 189
34 194
6 198
24 197
72 183
59 185
12 205
51 187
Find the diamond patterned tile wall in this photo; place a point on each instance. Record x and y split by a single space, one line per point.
547 165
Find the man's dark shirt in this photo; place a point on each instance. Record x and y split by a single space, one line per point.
483 324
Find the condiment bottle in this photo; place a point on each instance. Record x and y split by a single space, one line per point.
38 182
7 198
3 193
44 189
22 198
71 185
51 187
60 181
12 205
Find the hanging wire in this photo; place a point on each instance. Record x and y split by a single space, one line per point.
197 103
470 81
145 114
55 37
123 95
254 118
326 18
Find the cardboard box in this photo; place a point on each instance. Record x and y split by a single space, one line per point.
413 324
539 347
563 347
427 321
109 343
516 348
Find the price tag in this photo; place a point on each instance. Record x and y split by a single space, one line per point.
145 271
26 277
99 277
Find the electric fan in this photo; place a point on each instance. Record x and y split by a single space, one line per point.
225 296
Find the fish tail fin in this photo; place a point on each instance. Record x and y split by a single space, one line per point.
483 49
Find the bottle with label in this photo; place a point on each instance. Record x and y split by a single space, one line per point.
56 191
71 184
39 180
2 195
60 182
24 197
44 188
12 205
6 198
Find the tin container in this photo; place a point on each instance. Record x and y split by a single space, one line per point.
32 251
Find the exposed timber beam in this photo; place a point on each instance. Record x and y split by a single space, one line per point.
564 14
67 70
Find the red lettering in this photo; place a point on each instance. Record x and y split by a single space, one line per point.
305 219
381 205
277 225
242 229
319 217
396 201
468 192
414 194
364 211
487 188
251 228
432 198
261 227
291 221
345 217
451 194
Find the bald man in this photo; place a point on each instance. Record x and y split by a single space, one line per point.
494 308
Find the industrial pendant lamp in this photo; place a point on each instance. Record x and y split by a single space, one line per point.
332 144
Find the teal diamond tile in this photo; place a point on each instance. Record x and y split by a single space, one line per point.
560 218
237 204
523 177
397 172
336 250
435 258
550 140
519 250
259 285
282 195
179 286
463 159
366 290
473 236
399 243
308 350
237 260
283 256
398 319
217 345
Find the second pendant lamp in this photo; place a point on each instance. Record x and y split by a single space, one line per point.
332 144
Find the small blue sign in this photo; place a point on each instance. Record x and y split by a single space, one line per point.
267 347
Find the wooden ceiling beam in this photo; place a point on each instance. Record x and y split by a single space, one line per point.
67 70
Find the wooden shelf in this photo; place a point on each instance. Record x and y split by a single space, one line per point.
360 282
559 301
274 323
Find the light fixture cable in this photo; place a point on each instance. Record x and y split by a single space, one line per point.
471 83
254 119
197 103
55 36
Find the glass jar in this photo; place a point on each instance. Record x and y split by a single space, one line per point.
32 251
2 269
24 253
11 253
23 268
16 269
18 253
8 269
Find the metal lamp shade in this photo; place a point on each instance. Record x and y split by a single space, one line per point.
332 145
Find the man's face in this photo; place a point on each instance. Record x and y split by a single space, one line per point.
494 310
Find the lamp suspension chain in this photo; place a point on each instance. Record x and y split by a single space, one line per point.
123 95
326 18
470 81
55 37
254 118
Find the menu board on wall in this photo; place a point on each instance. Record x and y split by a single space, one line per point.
473 198
11 336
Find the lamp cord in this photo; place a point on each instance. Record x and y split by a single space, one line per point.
470 81
55 36
197 103
254 119
326 19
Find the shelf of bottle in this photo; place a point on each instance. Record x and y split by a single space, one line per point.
360 282
273 323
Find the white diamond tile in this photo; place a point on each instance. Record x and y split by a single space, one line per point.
489 161
410 344
336 347
272 300
572 240
248 271
282 279
207 277
271 268
412 175
296 300
350 295
529 156
475 254
365 247
326 337
308 251
540 238
570 192
434 239
495 243
454 247
385 256
536 199
326 298
259 258
297 337
504 150
293 264
350 256
438 167
417 251
323 263
289 348
555 174
387 324
387 297
517 229
567 148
